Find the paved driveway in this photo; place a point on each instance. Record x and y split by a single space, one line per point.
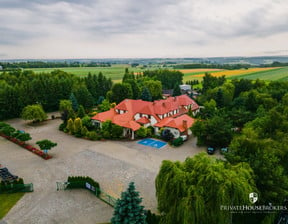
112 163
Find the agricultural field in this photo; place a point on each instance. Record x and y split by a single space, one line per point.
116 72
251 73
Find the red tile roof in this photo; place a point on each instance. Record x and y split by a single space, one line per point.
177 122
143 120
159 107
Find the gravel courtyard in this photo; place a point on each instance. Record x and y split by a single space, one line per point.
112 163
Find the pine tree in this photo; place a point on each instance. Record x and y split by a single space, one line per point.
146 95
81 112
74 102
128 208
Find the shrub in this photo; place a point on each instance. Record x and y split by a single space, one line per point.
86 121
80 182
151 218
116 131
177 141
84 131
150 131
93 135
3 124
62 126
106 134
70 126
8 130
141 132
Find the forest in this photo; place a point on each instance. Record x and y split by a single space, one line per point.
250 118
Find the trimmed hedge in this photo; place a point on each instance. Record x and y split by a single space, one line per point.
80 182
8 186
177 142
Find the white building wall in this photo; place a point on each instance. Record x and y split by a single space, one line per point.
153 120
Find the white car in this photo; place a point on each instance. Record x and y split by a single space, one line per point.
184 137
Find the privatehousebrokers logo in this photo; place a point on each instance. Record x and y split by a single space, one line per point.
253 197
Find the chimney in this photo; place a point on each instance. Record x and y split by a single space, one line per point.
184 123
163 104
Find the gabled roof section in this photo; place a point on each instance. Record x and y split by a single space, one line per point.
104 116
178 122
143 120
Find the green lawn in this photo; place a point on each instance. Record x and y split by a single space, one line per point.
116 72
8 201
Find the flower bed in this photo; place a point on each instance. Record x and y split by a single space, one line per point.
28 147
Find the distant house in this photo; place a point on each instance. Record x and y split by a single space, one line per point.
1 68
185 89
167 93
167 114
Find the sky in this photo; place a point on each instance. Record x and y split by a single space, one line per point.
52 29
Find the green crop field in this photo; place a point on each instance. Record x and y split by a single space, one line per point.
271 75
115 72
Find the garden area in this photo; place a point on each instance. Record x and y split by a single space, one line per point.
20 138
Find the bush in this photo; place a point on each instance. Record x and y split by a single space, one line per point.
141 132
7 130
93 135
150 131
80 182
9 186
62 126
86 121
151 218
106 134
177 141
116 131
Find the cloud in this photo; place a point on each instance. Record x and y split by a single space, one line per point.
161 26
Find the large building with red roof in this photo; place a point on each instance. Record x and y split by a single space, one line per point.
168 114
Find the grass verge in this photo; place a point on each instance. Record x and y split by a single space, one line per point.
8 201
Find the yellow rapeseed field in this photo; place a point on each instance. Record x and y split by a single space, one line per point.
235 72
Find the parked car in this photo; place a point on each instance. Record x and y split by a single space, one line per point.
184 137
210 150
223 150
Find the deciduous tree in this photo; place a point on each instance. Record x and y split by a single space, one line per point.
34 112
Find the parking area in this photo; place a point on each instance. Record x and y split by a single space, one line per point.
112 163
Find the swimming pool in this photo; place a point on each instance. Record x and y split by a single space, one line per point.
152 143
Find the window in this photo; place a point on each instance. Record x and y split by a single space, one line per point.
149 116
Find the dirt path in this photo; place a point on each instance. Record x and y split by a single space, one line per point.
112 163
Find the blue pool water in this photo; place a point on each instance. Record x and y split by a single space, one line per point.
152 143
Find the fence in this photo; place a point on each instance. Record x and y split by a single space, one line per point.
94 190
13 188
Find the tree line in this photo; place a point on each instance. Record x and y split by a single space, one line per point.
21 88
50 64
